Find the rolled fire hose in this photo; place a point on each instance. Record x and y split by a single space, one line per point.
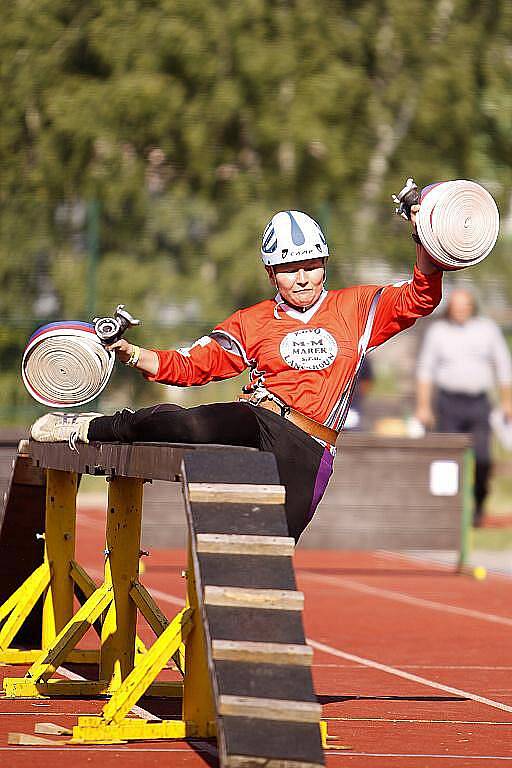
66 365
458 223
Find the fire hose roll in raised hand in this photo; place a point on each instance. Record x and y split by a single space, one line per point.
457 223
66 364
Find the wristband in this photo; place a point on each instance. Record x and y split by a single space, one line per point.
134 356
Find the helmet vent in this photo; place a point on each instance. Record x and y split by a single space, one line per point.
269 240
297 233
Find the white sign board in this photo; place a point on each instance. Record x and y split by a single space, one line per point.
444 478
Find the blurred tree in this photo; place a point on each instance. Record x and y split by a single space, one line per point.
187 123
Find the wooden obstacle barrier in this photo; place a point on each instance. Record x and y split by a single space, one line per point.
239 639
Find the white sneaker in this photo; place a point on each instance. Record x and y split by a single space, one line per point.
61 427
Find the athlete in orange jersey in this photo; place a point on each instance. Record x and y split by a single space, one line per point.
303 350
325 344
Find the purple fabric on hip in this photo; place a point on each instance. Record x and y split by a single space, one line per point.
322 478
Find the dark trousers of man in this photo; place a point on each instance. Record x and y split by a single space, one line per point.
304 465
469 414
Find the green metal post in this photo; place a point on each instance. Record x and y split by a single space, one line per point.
468 472
93 249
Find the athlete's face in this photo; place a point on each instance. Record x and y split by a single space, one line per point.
300 283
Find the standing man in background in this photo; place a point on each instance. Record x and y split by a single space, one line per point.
464 356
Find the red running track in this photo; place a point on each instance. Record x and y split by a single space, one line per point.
413 666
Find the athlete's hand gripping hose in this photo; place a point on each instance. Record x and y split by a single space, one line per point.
110 329
457 222
67 364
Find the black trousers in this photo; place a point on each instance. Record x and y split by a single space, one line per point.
469 414
304 465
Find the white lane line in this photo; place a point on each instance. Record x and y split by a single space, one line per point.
172 599
472 667
125 748
47 713
349 719
376 665
341 581
408 676
346 753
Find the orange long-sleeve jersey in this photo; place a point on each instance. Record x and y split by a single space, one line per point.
309 360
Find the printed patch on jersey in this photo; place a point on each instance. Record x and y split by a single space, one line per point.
310 349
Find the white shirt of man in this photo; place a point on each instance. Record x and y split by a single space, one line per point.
467 358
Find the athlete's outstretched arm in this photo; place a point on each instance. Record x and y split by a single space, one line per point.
401 305
214 357
423 260
147 362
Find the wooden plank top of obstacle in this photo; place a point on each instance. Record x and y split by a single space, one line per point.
149 461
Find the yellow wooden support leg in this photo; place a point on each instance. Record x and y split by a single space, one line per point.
148 608
76 628
82 579
151 612
139 680
198 706
123 528
87 586
13 600
59 551
113 725
76 656
91 731
17 608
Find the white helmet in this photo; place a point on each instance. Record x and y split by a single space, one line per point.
292 236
